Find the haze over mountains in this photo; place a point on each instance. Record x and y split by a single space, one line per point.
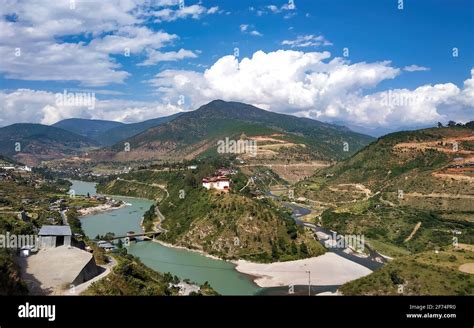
183 135
107 133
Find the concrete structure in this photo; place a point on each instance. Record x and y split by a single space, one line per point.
219 183
52 270
54 236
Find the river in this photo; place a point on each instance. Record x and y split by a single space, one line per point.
185 264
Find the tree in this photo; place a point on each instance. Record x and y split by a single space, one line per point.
190 180
304 249
440 125
275 253
396 279
451 123
292 229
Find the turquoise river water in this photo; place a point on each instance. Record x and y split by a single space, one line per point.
180 262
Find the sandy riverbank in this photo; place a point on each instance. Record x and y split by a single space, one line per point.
327 269
99 209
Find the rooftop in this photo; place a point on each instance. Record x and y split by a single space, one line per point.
215 179
53 230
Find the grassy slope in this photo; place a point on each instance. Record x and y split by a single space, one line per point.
380 166
196 132
212 221
425 273
386 221
130 277
130 189
388 227
41 139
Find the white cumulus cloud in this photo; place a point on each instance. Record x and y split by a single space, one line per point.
313 84
32 45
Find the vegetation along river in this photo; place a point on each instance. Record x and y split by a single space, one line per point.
180 262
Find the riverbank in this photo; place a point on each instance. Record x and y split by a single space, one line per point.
100 209
327 269
162 243
194 264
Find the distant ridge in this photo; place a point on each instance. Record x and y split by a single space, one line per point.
87 128
195 133
125 131
30 143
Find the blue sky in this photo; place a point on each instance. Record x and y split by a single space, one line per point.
291 60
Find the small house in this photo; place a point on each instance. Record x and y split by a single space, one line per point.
108 247
51 236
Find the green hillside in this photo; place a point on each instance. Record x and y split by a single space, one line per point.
232 225
132 278
7 161
87 128
37 142
427 273
388 228
416 169
197 132
411 195
125 131
131 189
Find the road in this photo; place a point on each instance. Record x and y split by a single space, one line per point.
372 262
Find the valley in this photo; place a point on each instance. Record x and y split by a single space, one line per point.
319 152
272 200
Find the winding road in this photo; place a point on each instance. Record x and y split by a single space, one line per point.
373 261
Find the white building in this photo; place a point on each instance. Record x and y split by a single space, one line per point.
219 183
54 236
